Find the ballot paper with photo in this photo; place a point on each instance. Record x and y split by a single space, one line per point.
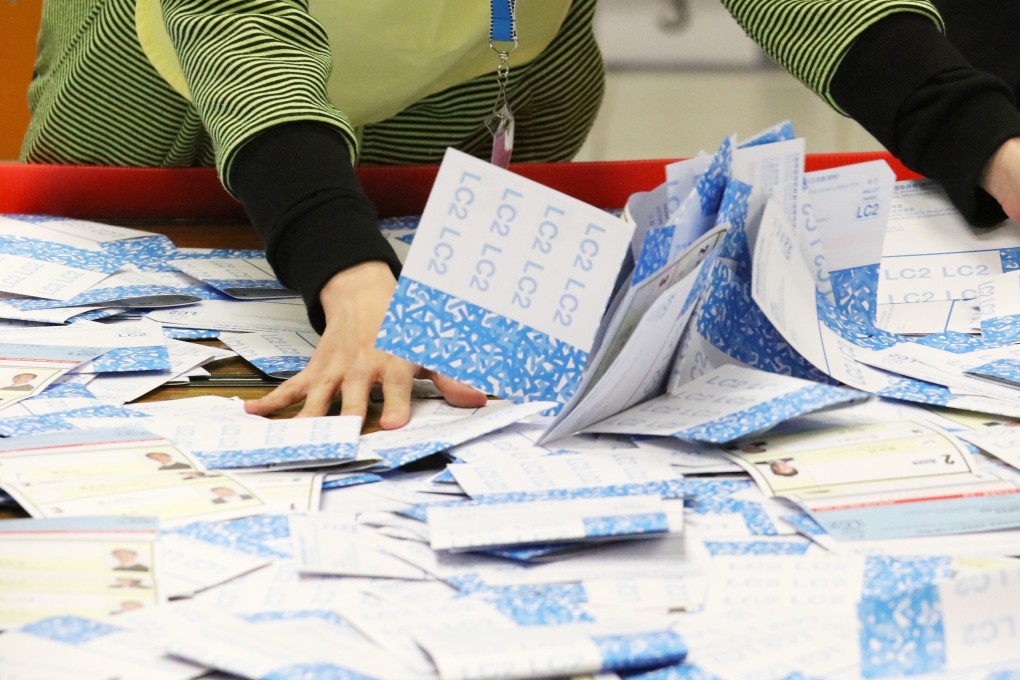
885 480
500 263
395 448
724 404
89 566
242 316
256 442
26 369
241 278
278 354
176 495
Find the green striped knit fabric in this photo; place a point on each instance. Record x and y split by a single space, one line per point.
810 37
252 64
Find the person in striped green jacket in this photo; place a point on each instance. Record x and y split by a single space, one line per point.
285 96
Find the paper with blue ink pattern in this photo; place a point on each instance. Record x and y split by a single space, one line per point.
470 526
967 623
126 287
30 657
48 270
241 278
999 307
784 289
278 354
78 233
932 255
724 404
499 264
121 651
282 647
244 316
562 472
190 566
253 442
654 209
632 364
552 651
26 369
395 448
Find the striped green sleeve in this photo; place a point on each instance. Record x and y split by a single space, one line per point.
252 64
810 37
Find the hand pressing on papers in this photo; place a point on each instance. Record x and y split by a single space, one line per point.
1001 177
346 362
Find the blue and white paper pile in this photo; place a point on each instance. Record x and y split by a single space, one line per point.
760 426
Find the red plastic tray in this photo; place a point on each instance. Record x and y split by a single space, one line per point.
115 193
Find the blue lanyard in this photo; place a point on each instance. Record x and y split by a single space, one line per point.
503 25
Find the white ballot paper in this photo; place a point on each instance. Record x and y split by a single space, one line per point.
999 307
505 284
89 647
281 647
244 316
932 257
335 544
278 354
241 278
470 526
724 404
395 448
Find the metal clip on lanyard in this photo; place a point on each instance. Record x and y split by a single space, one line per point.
502 41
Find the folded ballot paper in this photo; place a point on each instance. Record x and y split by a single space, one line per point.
508 283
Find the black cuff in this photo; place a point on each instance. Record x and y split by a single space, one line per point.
299 187
907 85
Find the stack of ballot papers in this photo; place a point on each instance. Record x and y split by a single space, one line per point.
756 423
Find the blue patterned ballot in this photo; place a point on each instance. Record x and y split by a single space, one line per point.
241 278
49 270
474 525
396 448
258 442
506 283
570 650
125 288
967 623
724 404
1000 370
278 354
999 306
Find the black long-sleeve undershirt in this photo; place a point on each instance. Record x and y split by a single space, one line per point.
929 105
297 183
